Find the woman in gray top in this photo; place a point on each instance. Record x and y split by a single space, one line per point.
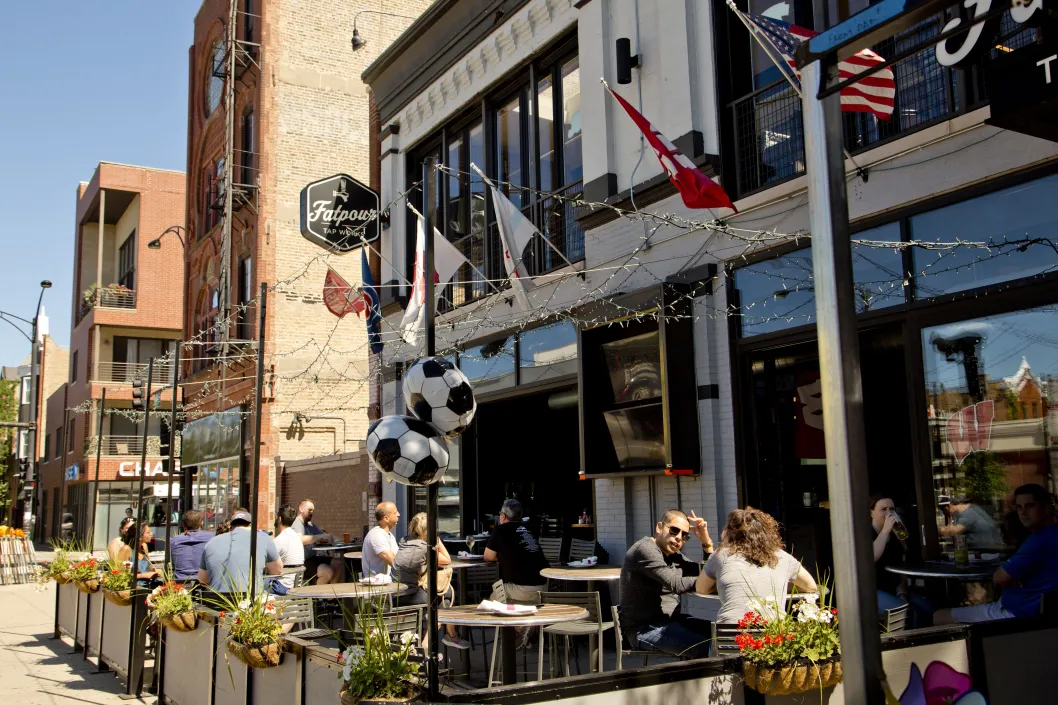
751 564
411 563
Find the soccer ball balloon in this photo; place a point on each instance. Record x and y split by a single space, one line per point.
409 450
439 394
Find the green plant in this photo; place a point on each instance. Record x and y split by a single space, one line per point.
170 598
379 666
88 569
117 575
983 478
807 629
251 622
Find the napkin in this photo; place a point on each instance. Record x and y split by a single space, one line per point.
464 554
504 608
589 561
377 579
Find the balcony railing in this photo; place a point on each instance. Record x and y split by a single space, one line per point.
107 297
132 371
117 446
769 137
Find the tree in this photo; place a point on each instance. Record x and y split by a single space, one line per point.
984 479
8 463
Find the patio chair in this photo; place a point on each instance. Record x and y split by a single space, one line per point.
579 549
895 619
479 580
724 639
397 621
592 626
552 548
298 573
496 673
297 611
622 650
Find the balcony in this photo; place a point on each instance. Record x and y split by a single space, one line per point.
113 296
769 136
129 372
131 446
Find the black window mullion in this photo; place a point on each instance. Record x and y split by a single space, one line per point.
559 158
488 132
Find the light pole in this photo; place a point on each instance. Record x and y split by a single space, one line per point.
358 42
156 243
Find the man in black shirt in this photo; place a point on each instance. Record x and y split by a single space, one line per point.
519 556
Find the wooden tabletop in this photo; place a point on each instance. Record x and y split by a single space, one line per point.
460 563
585 573
351 590
324 548
471 616
354 554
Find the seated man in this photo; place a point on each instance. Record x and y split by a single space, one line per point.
323 569
521 559
187 547
225 564
974 523
1029 573
288 543
380 546
653 577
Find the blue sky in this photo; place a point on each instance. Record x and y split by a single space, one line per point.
83 82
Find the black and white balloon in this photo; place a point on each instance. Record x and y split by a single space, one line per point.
437 392
408 450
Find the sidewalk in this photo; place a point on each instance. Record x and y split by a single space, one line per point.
36 670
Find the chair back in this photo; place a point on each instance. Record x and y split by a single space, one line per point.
587 600
396 621
579 549
479 580
895 619
297 611
552 548
724 639
298 573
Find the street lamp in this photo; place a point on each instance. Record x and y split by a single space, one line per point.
358 42
34 403
156 243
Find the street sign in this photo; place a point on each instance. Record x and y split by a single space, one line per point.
72 473
339 213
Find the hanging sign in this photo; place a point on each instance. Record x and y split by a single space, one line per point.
339 213
964 49
132 469
72 473
1023 89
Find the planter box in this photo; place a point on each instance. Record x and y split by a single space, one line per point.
189 664
68 597
115 648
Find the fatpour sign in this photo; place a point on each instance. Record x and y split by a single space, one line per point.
339 213
960 49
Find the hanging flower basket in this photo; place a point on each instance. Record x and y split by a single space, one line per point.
791 678
256 656
87 586
62 578
180 622
121 598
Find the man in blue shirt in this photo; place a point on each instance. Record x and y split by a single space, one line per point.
225 562
1028 574
187 548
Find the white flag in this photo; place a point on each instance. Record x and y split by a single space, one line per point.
516 232
447 260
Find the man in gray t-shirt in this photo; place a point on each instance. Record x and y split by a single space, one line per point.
973 522
225 563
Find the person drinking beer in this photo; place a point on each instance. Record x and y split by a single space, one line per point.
890 548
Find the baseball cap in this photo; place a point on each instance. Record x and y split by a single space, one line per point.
241 516
943 500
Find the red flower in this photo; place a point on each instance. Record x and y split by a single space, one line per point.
767 639
223 614
340 657
789 637
834 611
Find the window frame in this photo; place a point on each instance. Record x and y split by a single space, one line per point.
73 366
215 59
245 289
247 138
127 262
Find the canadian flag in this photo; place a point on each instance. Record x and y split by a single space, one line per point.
697 189
447 259
340 296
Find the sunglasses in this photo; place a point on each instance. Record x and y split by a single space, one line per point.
674 531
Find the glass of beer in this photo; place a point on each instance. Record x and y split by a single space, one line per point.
346 537
899 530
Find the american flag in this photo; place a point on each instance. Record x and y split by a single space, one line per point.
874 94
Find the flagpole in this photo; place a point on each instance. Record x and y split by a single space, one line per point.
469 264
545 237
781 65
429 184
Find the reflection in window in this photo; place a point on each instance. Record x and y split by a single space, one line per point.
1015 215
509 149
547 352
778 293
489 366
990 395
448 514
215 83
572 160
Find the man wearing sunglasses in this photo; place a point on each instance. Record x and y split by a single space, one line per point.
654 575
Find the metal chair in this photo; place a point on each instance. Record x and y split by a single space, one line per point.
579 549
895 619
297 611
552 548
592 626
623 651
298 572
479 580
397 621
724 639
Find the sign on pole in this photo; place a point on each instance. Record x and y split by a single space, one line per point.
339 213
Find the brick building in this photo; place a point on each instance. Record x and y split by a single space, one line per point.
127 308
275 102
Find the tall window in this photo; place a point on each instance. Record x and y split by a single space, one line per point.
249 33
248 177
215 80
212 193
47 447
245 329
127 262
26 389
73 367
69 436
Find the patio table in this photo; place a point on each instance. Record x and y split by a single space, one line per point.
946 571
471 616
591 575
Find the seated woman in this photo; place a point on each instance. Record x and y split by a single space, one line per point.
888 550
751 564
411 563
145 571
116 549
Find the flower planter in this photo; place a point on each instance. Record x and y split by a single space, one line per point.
259 656
348 699
791 678
87 586
61 578
121 598
182 622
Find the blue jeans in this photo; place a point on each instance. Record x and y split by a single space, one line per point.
921 609
686 638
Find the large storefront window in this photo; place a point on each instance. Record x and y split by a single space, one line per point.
991 388
491 366
547 352
215 492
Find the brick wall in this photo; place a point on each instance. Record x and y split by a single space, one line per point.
337 485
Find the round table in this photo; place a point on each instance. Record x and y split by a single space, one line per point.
946 571
351 591
471 616
326 550
591 575
354 555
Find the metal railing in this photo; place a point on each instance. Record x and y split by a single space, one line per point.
126 446
769 140
132 371
108 297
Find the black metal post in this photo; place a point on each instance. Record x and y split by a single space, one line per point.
95 483
134 682
62 506
159 667
256 463
429 186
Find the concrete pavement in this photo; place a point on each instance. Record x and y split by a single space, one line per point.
37 670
